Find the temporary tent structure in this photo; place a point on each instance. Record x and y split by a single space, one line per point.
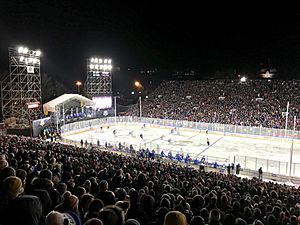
52 106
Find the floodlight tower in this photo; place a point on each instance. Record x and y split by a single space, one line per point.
99 80
21 90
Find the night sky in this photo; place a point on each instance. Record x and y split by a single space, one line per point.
144 35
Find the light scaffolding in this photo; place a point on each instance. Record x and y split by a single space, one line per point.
21 89
99 78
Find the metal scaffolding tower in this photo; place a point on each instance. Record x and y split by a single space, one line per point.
99 78
21 89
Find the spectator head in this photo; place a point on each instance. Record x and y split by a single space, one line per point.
121 194
197 220
61 188
79 191
3 163
85 202
54 218
93 221
46 174
257 222
103 185
165 203
214 215
12 186
96 205
22 174
6 172
175 218
229 219
124 205
71 202
240 221
25 210
132 222
112 215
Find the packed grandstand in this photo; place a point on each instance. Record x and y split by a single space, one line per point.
45 182
251 103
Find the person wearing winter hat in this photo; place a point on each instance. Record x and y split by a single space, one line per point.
13 186
54 218
175 218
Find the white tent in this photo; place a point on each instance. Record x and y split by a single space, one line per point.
51 106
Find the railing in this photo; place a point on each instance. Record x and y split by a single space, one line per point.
246 162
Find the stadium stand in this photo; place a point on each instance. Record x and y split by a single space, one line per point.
55 184
251 103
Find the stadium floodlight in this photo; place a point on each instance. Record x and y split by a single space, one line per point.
104 67
243 79
109 61
96 66
30 60
137 84
109 67
25 50
105 60
96 60
101 67
100 60
21 58
20 49
92 60
35 60
38 53
91 66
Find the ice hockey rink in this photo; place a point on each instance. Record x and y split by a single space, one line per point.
259 151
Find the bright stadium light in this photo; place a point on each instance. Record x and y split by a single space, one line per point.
91 66
109 61
96 60
104 67
34 60
25 50
101 67
243 79
100 60
21 58
137 84
92 60
96 66
38 53
30 60
109 67
20 49
105 60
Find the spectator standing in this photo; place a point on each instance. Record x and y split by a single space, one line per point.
260 172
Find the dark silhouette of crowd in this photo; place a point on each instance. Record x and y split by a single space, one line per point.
55 184
250 103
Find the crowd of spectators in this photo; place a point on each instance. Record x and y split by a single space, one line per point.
250 103
57 184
